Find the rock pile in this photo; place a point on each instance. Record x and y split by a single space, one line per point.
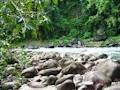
52 71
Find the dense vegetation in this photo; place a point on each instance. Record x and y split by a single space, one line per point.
45 19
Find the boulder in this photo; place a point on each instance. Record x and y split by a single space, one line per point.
92 58
65 62
77 79
11 85
102 56
51 55
29 72
50 64
85 58
109 68
99 79
74 68
34 59
47 64
51 80
64 78
51 71
66 85
89 65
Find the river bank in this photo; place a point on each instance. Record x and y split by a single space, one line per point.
63 69
66 41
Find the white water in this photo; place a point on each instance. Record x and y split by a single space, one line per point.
113 52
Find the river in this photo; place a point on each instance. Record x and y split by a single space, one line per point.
112 52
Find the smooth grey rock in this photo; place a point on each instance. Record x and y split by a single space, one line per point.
50 64
89 65
66 85
29 72
74 68
109 68
99 79
10 85
77 79
102 56
65 77
51 71
51 80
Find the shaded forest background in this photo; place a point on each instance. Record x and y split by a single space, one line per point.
49 19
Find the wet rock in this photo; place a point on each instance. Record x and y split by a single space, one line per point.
89 65
51 71
77 79
64 78
109 68
50 64
66 85
99 79
51 55
74 68
10 85
102 56
47 64
92 58
26 87
34 60
65 62
29 72
99 61
51 80
85 58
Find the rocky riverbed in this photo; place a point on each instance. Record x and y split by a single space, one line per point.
65 71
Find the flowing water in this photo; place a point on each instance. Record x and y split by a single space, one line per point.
113 52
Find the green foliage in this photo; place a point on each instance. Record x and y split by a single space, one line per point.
45 19
107 13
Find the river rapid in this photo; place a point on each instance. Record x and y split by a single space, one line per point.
112 52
